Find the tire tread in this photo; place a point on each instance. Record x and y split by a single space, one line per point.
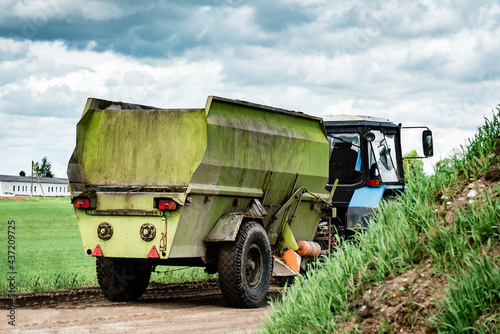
122 280
231 281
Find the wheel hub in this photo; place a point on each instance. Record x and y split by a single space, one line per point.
254 266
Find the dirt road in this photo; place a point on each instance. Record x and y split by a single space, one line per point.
174 308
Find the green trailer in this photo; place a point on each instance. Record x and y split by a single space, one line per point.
234 187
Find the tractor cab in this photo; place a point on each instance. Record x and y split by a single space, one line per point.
366 158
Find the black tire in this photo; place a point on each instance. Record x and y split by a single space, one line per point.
245 267
122 280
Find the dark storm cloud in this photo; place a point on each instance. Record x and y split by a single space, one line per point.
124 27
170 28
151 29
275 16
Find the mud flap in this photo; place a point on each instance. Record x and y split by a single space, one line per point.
358 218
363 205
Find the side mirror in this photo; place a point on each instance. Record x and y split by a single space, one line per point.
427 144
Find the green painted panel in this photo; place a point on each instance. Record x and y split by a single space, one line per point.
143 147
126 240
257 139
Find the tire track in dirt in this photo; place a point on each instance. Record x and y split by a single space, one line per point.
195 307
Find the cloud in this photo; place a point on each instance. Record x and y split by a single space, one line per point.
277 16
60 79
24 138
46 91
415 62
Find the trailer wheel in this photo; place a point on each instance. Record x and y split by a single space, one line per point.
122 280
245 267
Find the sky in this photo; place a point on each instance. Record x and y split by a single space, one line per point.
423 62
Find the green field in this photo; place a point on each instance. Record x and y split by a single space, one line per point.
48 250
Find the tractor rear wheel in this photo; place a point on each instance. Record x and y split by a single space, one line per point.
122 280
245 267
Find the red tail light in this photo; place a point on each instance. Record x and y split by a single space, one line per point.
373 182
167 205
82 203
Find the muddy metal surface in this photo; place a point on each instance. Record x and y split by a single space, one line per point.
172 308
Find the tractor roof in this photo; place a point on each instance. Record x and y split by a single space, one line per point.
354 118
333 121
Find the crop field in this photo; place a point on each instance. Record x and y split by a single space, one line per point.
48 250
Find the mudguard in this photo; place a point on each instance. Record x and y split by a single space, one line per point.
226 228
364 204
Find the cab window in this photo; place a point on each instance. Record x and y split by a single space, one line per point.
382 157
345 158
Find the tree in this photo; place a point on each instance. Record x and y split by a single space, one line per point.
415 166
44 168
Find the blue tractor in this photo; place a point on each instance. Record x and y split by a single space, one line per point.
366 158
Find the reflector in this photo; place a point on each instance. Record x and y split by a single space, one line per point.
373 182
153 253
97 251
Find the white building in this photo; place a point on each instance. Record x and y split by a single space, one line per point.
21 185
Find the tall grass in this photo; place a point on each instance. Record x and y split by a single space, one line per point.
407 232
473 296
